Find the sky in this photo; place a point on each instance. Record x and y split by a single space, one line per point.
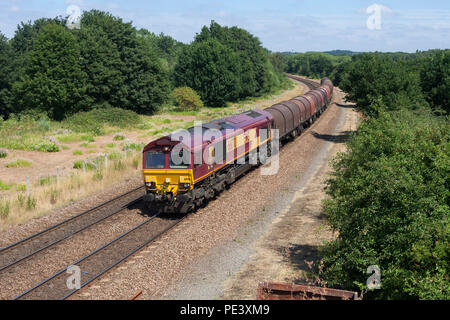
281 25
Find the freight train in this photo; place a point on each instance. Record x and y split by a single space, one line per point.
186 169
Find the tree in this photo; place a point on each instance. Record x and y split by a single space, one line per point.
374 81
390 204
53 80
211 69
7 75
123 70
435 79
251 56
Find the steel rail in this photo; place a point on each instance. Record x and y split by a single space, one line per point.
136 248
46 245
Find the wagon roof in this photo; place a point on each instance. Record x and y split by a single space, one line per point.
224 125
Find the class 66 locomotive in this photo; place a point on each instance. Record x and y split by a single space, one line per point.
186 169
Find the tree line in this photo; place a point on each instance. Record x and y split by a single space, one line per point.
48 68
389 195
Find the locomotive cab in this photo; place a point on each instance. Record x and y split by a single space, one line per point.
166 178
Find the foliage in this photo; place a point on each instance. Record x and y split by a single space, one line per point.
390 206
376 82
211 69
19 164
435 79
3 153
94 120
225 64
313 64
187 99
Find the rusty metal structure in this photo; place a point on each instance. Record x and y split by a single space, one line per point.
279 291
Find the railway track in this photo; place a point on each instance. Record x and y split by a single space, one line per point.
310 83
101 260
28 247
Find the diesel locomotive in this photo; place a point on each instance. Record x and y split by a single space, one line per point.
186 169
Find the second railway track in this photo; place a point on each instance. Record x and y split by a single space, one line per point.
102 260
28 247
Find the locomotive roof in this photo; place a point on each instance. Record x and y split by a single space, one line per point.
234 122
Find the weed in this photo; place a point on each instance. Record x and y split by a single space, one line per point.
119 137
3 153
46 146
54 195
136 163
79 165
78 153
119 165
4 186
31 203
4 209
19 164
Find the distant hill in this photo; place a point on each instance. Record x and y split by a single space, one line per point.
332 52
342 52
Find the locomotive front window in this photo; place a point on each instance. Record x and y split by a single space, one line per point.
184 156
155 160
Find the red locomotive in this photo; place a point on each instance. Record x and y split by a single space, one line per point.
187 168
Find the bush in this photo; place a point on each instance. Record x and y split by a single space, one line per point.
3 153
187 99
93 121
46 146
390 205
119 137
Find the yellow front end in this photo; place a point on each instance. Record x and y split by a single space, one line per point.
166 181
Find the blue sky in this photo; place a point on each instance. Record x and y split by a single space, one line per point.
281 25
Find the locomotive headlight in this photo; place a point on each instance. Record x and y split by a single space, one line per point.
184 185
151 185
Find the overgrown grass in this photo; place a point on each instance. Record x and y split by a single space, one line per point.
47 194
95 120
19 164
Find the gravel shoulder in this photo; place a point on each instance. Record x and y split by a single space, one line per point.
199 258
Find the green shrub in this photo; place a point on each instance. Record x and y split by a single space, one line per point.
3 153
46 146
31 203
79 165
19 164
119 137
390 206
187 99
43 181
4 186
132 146
94 120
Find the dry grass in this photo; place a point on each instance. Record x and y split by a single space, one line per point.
18 207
